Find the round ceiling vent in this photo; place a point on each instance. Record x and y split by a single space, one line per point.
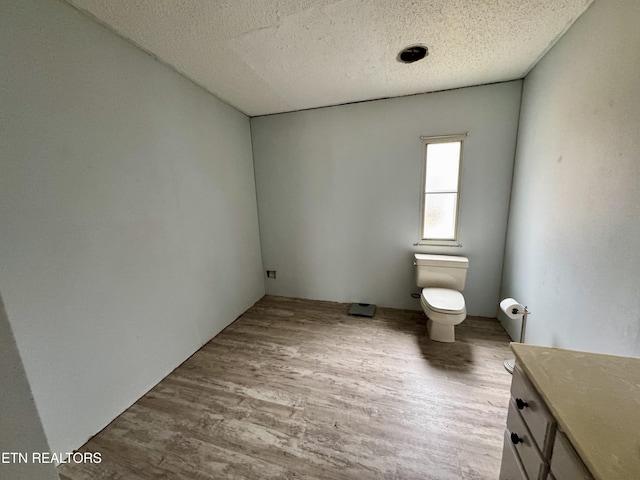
412 54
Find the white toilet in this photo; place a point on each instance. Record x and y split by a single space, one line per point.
442 278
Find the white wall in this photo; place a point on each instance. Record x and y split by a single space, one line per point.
128 215
574 229
19 423
339 194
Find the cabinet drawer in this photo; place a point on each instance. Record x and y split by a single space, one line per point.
523 442
511 468
533 411
565 463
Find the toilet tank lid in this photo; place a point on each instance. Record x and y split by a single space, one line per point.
450 261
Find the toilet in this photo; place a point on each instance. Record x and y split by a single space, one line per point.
442 277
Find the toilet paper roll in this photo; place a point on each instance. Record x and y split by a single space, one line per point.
511 308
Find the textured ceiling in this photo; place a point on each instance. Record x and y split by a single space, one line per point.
270 56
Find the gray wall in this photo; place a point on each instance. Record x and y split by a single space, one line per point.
128 215
20 426
339 194
574 228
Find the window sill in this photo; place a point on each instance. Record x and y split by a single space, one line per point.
438 243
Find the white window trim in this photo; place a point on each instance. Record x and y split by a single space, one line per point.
426 141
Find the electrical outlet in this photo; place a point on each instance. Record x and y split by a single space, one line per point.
271 274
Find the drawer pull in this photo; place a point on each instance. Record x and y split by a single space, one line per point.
516 439
521 404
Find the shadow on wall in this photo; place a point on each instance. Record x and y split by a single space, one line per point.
18 412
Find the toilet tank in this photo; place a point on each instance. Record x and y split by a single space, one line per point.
442 271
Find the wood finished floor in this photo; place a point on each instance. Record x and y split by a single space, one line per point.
297 389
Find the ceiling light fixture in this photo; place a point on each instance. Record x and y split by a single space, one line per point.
412 53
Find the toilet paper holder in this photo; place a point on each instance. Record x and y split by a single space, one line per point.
515 310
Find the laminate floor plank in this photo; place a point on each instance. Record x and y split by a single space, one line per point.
298 389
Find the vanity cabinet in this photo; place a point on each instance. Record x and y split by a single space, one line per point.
572 416
533 448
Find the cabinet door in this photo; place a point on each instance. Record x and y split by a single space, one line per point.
524 445
565 463
511 468
533 411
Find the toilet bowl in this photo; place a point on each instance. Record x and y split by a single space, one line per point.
442 278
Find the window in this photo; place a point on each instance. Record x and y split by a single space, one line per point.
441 189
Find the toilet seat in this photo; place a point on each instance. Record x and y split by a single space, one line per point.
444 300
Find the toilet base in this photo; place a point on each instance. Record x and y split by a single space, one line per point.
440 332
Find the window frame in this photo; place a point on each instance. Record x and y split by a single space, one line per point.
427 140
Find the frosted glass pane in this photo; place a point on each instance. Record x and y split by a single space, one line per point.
439 216
443 162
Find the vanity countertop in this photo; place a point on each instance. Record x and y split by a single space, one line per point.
595 399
